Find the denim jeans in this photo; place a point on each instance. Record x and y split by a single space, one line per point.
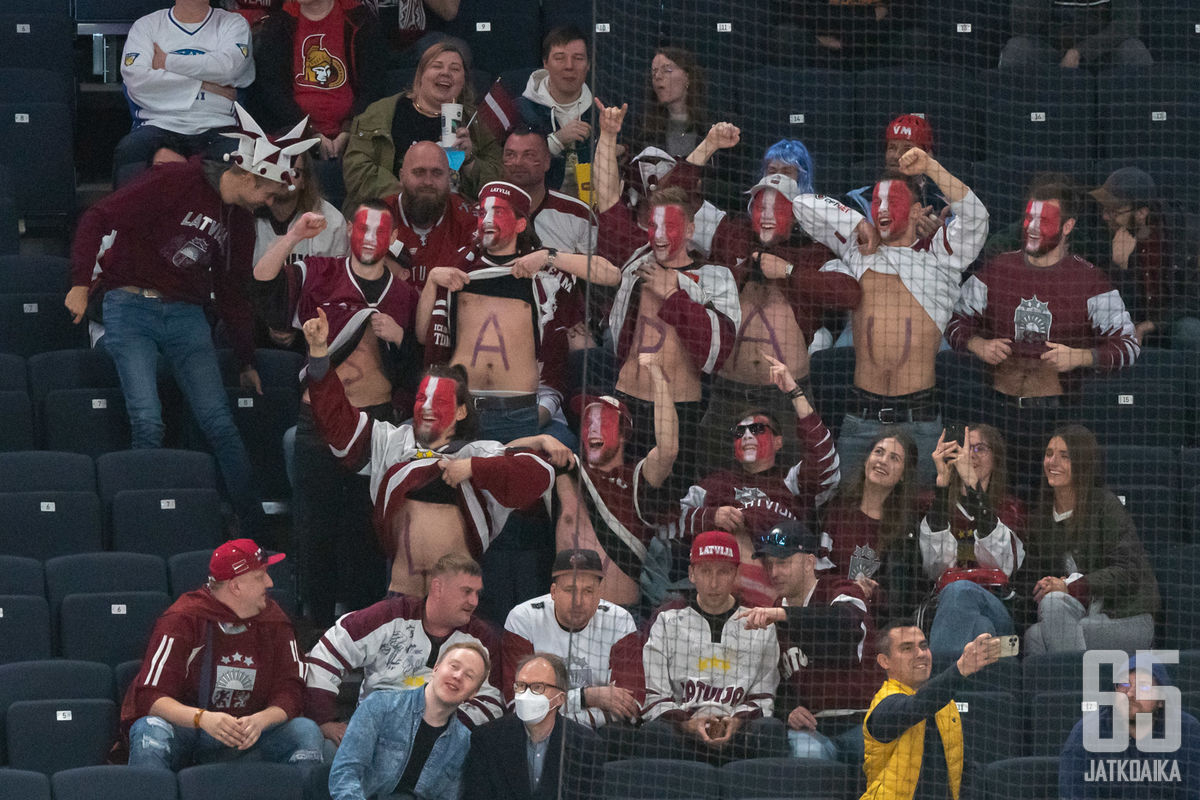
137 330
156 743
964 611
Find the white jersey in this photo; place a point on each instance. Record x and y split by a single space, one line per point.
686 671
598 654
333 242
930 269
565 223
216 50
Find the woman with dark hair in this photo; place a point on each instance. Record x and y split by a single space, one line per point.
676 117
380 136
968 539
872 524
1084 568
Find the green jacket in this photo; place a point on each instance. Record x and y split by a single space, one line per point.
370 154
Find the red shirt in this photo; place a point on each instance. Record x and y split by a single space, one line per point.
437 247
321 82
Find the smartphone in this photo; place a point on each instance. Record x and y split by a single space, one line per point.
1010 646
957 433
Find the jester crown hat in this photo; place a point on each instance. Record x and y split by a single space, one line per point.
259 155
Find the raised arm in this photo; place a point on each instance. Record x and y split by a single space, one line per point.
661 458
721 136
606 176
268 267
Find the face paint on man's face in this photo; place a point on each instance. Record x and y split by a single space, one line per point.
601 433
1042 229
750 447
771 216
891 205
666 231
497 223
435 408
370 233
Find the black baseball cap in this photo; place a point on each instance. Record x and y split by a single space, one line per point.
577 560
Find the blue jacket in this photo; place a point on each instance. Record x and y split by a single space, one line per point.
375 750
1076 765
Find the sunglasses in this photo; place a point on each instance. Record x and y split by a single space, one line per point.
788 540
755 428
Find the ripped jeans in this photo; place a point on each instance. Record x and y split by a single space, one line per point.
156 743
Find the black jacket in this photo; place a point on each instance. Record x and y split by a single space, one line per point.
497 766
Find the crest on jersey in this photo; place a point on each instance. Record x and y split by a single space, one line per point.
245 48
1031 321
130 58
863 561
745 495
322 69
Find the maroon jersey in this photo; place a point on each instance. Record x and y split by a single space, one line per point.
1071 303
854 541
625 512
437 247
768 497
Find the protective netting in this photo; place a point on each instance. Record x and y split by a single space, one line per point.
1061 355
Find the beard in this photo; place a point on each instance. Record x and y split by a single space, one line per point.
423 210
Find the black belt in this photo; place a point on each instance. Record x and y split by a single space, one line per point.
1047 401
893 410
503 403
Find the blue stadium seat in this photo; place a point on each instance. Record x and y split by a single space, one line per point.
47 680
36 322
35 273
727 37
1157 514
36 134
16 409
88 421
1052 672
33 35
43 525
20 575
566 12
24 628
47 471
1145 105
991 722
624 48
790 777
166 521
10 224
110 782
965 33
1171 31
114 10
1186 674
70 369
153 469
943 98
1179 622
21 84
1136 464
124 673
241 780
188 571
661 778
24 784
1028 778
501 35
82 733
1138 405
1051 717
110 627
1051 113
89 573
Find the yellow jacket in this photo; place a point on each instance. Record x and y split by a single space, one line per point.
893 767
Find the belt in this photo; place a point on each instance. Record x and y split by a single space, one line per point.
1048 401
503 403
892 411
153 294
755 393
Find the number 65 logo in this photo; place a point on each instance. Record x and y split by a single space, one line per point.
1144 688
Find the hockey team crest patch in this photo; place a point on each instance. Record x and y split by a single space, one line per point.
1031 321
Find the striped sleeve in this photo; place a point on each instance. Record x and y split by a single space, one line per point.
968 312
1116 346
817 475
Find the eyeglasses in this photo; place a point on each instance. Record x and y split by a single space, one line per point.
1143 689
981 448
656 71
537 687
755 428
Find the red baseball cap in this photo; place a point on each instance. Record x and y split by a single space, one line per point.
715 546
237 557
910 128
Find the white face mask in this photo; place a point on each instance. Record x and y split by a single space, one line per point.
532 708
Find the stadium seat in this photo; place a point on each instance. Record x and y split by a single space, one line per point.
1028 778
10 224
725 35
566 12
1186 674
1176 571
1156 512
991 723
662 779
43 524
47 680
1156 466
82 733
832 373
123 675
90 573
36 135
241 780
164 522
261 419
1145 105
113 10
16 409
42 34
23 784
1051 113
500 35
24 628
1051 716
20 575
626 36
35 273
110 627
929 91
1138 405
87 421
965 34
36 471
36 322
110 782
791 777
22 84
68 369
1052 672
153 469
964 385
1170 32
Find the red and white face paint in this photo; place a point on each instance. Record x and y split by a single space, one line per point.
891 205
667 231
497 223
434 409
1043 226
771 216
601 433
370 234
754 440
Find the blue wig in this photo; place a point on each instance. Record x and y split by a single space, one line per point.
792 151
